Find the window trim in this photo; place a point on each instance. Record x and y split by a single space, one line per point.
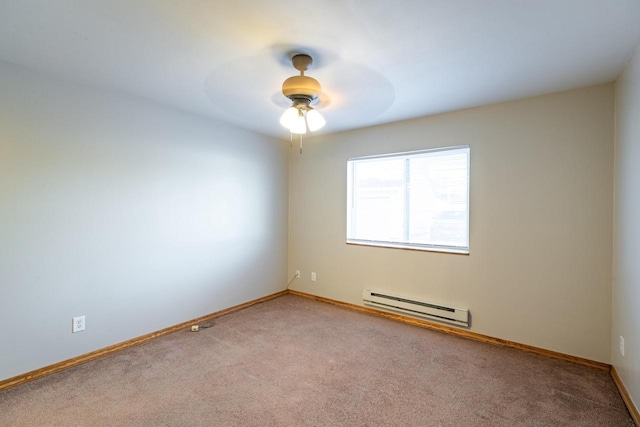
411 246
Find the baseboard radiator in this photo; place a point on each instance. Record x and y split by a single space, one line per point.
394 303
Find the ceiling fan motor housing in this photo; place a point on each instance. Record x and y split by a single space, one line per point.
301 88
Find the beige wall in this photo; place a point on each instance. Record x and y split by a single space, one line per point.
135 215
626 262
539 271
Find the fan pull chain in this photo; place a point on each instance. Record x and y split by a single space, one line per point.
291 141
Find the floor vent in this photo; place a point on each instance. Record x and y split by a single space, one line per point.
457 316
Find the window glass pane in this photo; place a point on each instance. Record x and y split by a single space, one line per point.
418 199
439 189
379 199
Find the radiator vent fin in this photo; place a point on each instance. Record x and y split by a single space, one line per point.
420 303
424 309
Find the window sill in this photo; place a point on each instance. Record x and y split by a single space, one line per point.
446 250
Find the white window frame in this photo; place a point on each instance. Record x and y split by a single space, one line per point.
351 200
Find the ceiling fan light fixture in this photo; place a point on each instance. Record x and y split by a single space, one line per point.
299 124
300 117
315 120
288 117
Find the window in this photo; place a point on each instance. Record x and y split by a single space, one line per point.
416 200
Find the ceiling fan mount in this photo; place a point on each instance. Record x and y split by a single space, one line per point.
301 61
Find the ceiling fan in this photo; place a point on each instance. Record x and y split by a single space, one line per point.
303 91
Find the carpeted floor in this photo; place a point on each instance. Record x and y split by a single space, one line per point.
297 362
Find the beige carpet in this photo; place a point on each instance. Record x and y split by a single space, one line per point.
296 362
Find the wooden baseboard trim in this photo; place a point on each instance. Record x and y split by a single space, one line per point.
75 361
459 332
631 407
88 357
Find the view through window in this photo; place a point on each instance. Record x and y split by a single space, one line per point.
417 200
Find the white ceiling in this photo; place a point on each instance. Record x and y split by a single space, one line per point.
378 60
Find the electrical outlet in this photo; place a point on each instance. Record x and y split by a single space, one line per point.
313 277
622 345
78 324
297 274
195 328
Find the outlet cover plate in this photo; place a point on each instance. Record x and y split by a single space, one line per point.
78 324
